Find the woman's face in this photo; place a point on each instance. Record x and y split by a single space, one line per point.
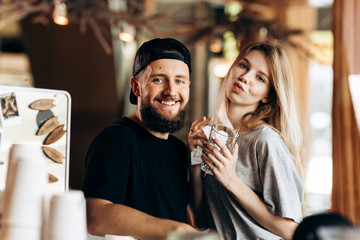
248 82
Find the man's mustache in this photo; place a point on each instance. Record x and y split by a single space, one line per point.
169 98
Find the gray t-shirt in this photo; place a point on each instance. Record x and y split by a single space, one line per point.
266 166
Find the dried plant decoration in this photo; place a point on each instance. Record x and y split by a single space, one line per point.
52 178
55 135
53 154
48 126
42 104
95 14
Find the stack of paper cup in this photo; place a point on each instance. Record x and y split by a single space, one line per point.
67 217
24 193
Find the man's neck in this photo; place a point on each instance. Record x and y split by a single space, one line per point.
136 117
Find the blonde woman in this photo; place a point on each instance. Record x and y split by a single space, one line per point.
255 191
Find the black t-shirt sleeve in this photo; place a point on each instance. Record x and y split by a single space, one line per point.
107 166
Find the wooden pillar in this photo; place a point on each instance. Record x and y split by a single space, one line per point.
346 141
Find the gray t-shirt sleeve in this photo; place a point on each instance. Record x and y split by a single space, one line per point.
282 187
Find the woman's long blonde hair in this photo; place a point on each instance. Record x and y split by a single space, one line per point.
281 111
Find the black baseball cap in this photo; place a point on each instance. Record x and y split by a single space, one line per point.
155 49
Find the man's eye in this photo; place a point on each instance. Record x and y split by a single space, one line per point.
180 81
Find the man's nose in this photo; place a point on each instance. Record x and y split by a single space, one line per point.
170 88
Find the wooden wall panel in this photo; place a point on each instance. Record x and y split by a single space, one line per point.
63 58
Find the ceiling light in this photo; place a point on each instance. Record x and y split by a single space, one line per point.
60 13
127 32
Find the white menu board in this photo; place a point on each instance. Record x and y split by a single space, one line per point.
37 116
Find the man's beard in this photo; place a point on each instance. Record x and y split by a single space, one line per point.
158 123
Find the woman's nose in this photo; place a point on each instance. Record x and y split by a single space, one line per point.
243 79
247 77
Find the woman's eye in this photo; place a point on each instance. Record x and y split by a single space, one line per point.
157 80
261 79
243 65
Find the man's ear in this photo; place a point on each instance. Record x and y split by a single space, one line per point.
135 86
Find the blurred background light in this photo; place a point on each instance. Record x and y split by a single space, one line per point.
320 120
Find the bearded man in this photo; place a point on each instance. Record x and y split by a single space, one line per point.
136 181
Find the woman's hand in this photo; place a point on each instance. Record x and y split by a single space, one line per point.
222 163
196 136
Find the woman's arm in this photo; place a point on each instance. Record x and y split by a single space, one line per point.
253 204
223 168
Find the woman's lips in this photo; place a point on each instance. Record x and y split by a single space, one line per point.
238 87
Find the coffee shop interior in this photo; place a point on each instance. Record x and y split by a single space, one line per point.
85 48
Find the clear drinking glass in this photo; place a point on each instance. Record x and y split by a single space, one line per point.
226 135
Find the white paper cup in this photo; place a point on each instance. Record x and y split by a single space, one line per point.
24 193
20 232
17 151
23 202
67 217
25 187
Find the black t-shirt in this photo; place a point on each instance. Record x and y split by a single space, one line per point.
127 165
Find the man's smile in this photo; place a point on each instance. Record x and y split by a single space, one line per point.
168 103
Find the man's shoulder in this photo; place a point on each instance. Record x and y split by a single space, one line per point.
121 127
122 124
175 139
